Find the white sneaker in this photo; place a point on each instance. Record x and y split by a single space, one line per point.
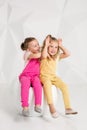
25 112
70 111
55 115
37 109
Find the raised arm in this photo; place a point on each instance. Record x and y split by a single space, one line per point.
45 48
28 55
65 52
35 55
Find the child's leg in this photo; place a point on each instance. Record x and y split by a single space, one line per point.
47 86
37 93
64 89
25 85
37 90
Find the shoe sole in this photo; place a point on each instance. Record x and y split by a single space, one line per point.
73 113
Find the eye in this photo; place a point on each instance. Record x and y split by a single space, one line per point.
51 46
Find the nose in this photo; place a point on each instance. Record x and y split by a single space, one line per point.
53 49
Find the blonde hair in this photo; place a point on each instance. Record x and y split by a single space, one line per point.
54 40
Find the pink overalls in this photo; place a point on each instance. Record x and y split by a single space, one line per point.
30 75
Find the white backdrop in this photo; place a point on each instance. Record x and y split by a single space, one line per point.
23 18
61 18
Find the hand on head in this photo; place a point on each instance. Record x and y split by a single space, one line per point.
47 40
59 41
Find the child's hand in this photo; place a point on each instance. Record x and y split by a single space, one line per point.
48 56
59 41
47 41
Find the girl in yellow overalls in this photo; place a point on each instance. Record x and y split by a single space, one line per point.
50 55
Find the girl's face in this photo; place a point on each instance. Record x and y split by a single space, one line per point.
53 48
34 46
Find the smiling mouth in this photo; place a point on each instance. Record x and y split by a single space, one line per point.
52 52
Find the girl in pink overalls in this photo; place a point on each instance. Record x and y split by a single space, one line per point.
30 75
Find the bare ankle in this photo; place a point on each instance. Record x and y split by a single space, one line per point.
25 108
68 108
52 108
37 105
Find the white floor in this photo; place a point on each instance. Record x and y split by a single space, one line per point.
11 119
